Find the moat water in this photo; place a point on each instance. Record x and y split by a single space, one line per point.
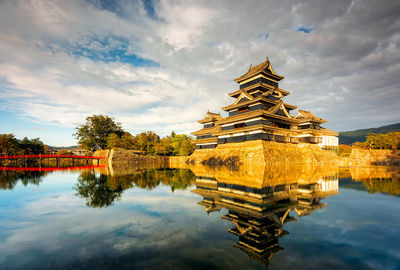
275 217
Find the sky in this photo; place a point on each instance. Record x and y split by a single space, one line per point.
161 65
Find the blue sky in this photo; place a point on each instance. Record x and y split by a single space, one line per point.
160 65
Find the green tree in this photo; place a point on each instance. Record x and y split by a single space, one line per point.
8 144
164 147
31 147
128 141
96 130
113 141
182 145
186 148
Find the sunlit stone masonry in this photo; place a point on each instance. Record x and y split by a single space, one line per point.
259 113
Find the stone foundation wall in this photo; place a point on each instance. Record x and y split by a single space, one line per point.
366 157
256 152
121 157
263 152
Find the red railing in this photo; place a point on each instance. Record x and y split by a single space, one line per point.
48 169
48 156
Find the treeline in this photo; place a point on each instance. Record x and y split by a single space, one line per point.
9 145
102 132
150 143
390 140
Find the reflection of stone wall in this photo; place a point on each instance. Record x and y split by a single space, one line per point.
178 161
101 153
374 172
262 152
374 157
382 179
258 176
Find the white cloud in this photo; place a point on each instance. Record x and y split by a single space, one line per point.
348 61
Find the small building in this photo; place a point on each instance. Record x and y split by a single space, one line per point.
259 113
205 137
310 130
79 151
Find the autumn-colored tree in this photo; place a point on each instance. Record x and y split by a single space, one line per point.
128 141
393 140
344 150
8 144
362 145
146 141
164 147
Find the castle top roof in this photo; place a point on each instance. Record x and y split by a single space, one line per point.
265 67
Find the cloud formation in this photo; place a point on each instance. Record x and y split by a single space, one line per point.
160 65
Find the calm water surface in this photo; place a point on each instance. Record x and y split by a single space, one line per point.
201 218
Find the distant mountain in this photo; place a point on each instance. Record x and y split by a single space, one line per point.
359 135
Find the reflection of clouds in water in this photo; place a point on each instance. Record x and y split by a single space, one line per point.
345 234
142 220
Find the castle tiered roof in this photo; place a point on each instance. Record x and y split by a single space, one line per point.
306 116
210 117
259 113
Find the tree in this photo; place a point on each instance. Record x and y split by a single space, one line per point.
146 141
8 144
392 139
31 147
344 150
186 148
164 147
128 141
182 145
113 141
95 132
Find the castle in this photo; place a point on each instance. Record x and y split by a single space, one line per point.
259 113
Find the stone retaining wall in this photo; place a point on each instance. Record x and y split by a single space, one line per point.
366 157
263 152
256 152
121 157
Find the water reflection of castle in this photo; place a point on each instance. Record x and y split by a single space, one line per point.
259 210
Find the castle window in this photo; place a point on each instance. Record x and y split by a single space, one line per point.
243 109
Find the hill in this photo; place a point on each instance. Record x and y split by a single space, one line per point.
359 135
